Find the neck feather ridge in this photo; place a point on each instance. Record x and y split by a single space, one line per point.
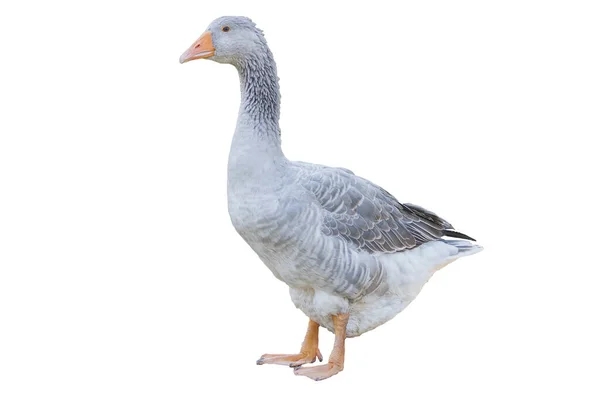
260 93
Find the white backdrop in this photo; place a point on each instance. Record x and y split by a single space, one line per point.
121 276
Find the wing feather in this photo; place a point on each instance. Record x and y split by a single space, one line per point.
369 217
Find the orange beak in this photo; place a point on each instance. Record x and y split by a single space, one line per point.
202 48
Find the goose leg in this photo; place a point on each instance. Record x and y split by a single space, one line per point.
336 359
309 351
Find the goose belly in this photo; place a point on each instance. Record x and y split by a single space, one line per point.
406 274
365 314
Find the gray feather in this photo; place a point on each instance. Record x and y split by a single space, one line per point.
368 216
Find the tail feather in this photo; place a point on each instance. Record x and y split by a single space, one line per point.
465 248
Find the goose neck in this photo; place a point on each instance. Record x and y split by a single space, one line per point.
260 97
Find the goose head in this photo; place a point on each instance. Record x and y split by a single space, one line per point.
229 40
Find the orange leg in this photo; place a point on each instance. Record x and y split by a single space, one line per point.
336 359
309 351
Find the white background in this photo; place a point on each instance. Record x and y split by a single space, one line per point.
121 276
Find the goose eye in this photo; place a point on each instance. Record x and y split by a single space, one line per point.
225 28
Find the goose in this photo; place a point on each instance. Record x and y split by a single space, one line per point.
352 255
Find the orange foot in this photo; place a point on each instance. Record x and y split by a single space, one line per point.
336 359
290 360
308 353
320 372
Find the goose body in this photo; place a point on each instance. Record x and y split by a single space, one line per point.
284 221
352 255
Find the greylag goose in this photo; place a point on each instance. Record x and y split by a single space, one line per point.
352 255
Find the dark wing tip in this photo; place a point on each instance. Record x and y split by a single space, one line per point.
428 215
455 234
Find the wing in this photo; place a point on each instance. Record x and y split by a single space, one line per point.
368 216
